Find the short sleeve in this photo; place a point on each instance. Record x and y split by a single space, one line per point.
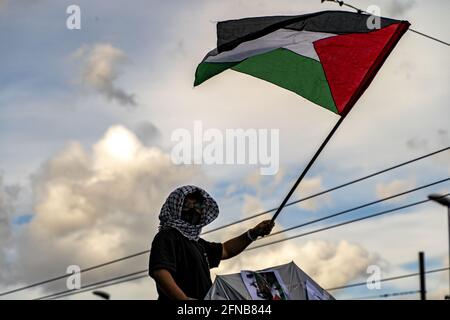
213 251
162 253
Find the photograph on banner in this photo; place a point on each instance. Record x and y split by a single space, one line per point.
265 285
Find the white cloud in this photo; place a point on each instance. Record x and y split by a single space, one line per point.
100 71
308 187
95 206
230 190
279 177
264 185
254 179
384 190
397 237
251 205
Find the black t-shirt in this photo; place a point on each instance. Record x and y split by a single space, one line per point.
188 261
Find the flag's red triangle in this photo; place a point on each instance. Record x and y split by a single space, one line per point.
351 61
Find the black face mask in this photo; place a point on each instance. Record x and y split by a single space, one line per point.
191 216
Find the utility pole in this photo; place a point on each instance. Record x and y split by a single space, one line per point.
423 290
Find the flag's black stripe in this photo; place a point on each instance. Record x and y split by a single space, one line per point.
233 32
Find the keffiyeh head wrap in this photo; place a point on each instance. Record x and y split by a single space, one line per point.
170 215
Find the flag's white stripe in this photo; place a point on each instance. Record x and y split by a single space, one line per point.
300 42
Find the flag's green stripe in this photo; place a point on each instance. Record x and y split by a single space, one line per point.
302 75
282 67
206 70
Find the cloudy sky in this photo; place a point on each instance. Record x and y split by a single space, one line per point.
86 118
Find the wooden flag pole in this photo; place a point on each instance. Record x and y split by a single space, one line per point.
305 171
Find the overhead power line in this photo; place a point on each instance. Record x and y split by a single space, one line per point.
387 295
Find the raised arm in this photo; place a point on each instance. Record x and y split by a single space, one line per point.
236 245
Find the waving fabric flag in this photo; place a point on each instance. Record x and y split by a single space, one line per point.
328 57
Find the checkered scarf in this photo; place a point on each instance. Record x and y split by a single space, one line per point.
170 215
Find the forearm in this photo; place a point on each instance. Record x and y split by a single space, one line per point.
235 246
168 285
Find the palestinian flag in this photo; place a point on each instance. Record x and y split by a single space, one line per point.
328 57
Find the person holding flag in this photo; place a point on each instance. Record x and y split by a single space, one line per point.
180 261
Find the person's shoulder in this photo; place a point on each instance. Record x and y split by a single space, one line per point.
167 233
